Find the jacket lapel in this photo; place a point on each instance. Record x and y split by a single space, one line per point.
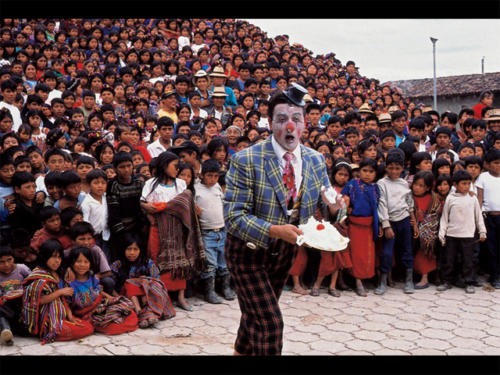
273 173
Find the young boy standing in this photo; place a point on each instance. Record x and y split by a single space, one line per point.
123 198
208 198
95 208
460 218
26 214
488 188
395 211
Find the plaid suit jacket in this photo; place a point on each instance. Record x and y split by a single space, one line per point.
255 195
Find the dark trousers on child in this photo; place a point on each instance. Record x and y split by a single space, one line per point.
453 247
493 243
401 241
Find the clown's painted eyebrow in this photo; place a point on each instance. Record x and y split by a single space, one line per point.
295 116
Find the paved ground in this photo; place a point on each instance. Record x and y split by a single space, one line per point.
425 323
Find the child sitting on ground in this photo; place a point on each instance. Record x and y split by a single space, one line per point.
52 228
107 314
45 310
136 276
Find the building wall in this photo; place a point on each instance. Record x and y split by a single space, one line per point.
455 103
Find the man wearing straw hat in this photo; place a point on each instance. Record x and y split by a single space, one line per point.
271 187
218 78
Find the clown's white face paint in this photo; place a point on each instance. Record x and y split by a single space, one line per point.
287 125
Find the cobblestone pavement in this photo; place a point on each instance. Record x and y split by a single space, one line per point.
427 322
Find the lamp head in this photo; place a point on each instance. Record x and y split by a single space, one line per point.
433 40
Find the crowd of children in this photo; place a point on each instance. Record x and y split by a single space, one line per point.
115 136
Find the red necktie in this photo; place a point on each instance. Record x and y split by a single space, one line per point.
289 178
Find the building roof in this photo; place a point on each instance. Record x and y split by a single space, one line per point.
450 86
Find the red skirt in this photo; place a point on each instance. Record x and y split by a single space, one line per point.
74 331
334 261
153 250
300 262
362 247
424 263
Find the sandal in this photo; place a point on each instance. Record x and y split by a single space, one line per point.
333 292
144 324
314 292
300 291
361 292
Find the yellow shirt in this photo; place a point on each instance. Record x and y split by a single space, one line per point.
172 115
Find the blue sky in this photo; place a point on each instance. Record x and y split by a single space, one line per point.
393 49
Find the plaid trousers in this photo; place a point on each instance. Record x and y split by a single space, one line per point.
259 276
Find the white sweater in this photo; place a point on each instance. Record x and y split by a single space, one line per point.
461 217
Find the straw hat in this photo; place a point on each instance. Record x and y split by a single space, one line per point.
384 117
492 115
199 74
365 108
219 92
218 72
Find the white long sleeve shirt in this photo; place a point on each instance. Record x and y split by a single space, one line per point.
395 202
461 217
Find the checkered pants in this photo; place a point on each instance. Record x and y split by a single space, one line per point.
259 276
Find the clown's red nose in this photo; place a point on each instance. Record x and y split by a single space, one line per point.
290 127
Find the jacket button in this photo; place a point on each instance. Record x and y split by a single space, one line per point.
251 245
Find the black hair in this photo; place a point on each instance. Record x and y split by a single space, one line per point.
95 174
451 116
161 163
492 155
215 144
52 179
165 121
350 130
427 176
121 157
438 163
45 252
69 177
68 214
53 151
417 158
408 147
466 145
443 130
397 115
440 179
210 165
6 251
5 160
85 160
417 123
81 228
183 166
366 162
21 178
394 158
461 176
478 124
447 152
75 253
473 160
340 163
47 212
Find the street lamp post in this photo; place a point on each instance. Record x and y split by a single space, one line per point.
434 40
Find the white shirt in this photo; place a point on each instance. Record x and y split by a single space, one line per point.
203 114
209 199
52 95
16 115
161 193
156 148
491 188
296 161
96 213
